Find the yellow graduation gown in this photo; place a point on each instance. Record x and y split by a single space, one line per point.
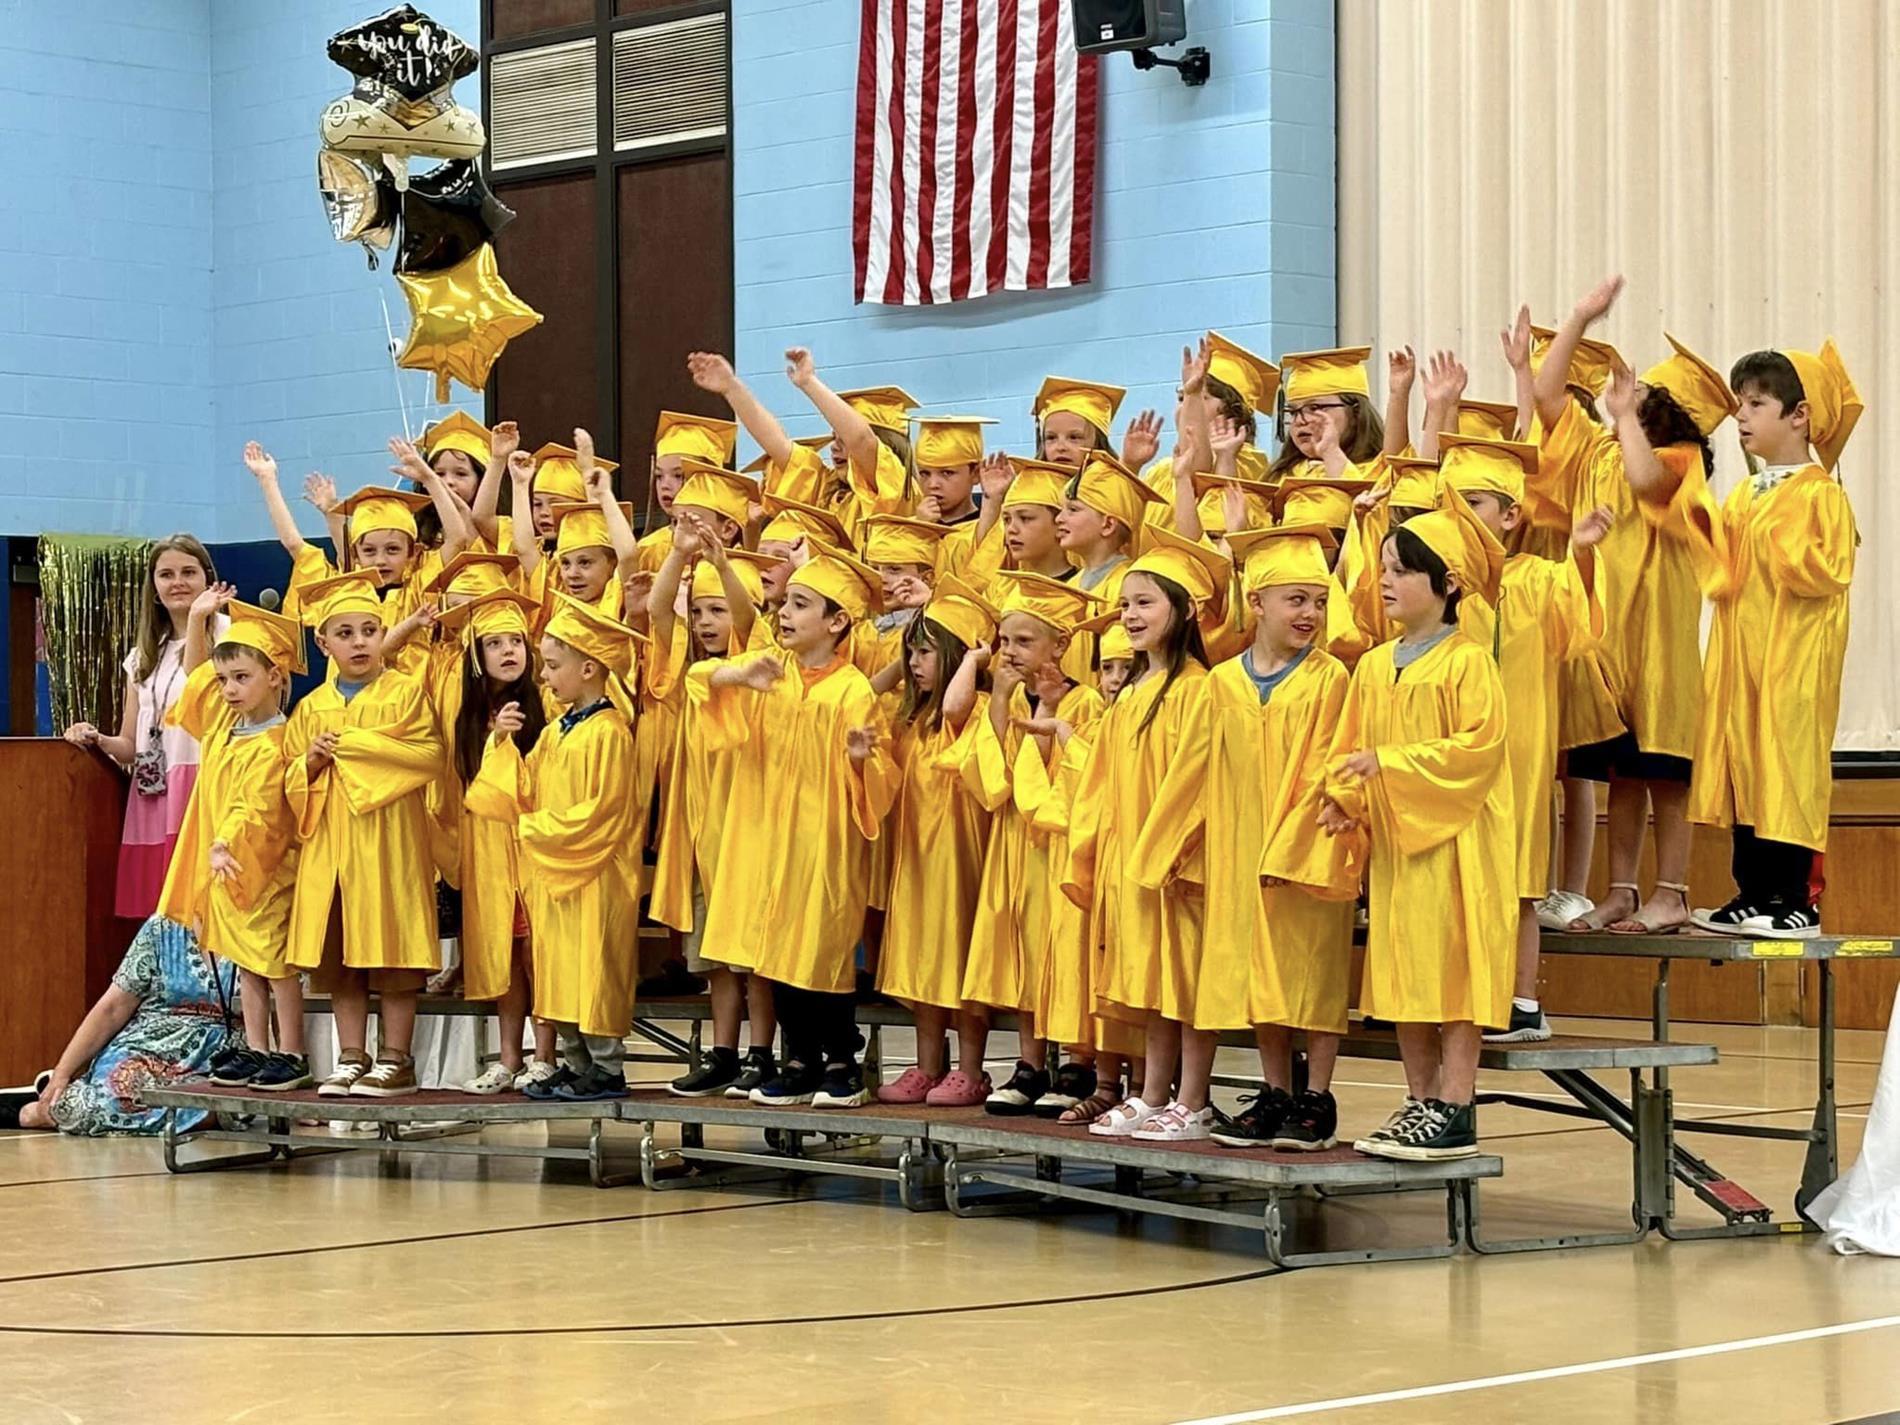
698 793
238 799
310 565
364 825
935 832
652 549
1009 937
1442 940
1150 938
577 810
1777 564
795 856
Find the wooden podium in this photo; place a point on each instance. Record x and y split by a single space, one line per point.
61 812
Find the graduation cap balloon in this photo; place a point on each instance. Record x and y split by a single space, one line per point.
405 50
447 214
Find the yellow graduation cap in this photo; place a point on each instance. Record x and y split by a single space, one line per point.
1094 401
1251 463
1493 419
1284 554
748 566
896 539
1112 643
1256 378
1063 607
1456 535
471 574
712 487
1110 488
498 610
1199 568
1697 386
704 438
1037 482
1311 374
961 610
357 592
377 507
458 431
840 577
1469 463
885 406
949 440
590 633
583 526
557 472
1590 367
1834 403
1414 482
1313 500
793 520
278 639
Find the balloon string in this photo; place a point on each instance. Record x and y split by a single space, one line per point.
389 332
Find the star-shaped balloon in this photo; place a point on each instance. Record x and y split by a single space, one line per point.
447 213
460 319
406 50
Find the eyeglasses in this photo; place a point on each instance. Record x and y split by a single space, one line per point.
1296 414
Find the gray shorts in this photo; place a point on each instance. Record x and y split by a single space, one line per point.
697 963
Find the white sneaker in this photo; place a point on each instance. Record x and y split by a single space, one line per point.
496 1078
1176 1123
1556 910
349 1068
538 1071
1123 1119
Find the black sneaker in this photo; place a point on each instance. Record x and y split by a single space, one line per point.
238 1069
1024 1090
544 1089
1784 920
1376 1026
758 1070
1257 1124
591 1087
843 1086
1311 1124
1073 1083
792 1084
1726 920
1438 1132
717 1074
1528 1026
283 1072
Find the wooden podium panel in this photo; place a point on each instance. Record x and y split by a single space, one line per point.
61 811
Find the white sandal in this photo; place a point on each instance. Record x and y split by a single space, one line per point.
1123 1119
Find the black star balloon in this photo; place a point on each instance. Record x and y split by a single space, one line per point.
406 50
447 214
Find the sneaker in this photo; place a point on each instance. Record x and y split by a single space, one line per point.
715 1075
392 1076
1438 1132
1726 920
1123 1119
350 1067
282 1073
536 1071
550 1086
1784 920
911 1087
1177 1123
496 1078
592 1086
1311 1124
1025 1089
1556 910
1073 1083
843 1086
1383 1133
238 1068
792 1084
959 1090
1376 1026
758 1070
1257 1123
1528 1026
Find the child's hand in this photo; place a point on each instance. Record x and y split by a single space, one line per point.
1401 367
259 461
634 590
224 866
1194 367
929 508
1044 727
508 720
1619 397
1233 507
798 366
909 592
1366 501
710 372
521 468
409 462
1445 378
426 615
1325 442
215 597
320 491
1516 340
504 439
859 743
979 655
995 475
1595 304
761 673
1588 532
689 536
1363 764
799 555
1004 680
321 754
1226 436
1143 440
1049 683
1332 820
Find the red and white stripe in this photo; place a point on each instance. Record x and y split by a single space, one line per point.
975 166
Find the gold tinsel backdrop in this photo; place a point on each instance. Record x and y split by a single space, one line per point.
89 608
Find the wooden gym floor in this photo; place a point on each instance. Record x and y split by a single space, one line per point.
474 1291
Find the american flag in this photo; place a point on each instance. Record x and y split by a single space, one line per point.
975 150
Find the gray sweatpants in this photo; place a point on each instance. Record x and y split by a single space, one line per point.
583 1051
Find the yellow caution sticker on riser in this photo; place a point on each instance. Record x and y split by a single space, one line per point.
1847 949
1775 949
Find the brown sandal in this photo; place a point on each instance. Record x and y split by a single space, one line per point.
1105 1097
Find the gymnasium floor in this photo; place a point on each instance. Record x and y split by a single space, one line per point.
512 1291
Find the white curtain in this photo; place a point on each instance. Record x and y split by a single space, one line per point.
1861 1211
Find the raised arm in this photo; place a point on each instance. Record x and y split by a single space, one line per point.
712 372
503 441
1401 370
663 597
457 528
959 697
853 430
744 612
1516 341
1445 378
204 608
1641 467
601 491
1195 454
521 478
1552 377
263 468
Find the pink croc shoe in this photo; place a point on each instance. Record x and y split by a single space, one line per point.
911 1087
959 1090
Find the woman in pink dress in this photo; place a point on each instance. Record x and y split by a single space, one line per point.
163 760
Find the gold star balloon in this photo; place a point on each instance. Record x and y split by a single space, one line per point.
460 319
